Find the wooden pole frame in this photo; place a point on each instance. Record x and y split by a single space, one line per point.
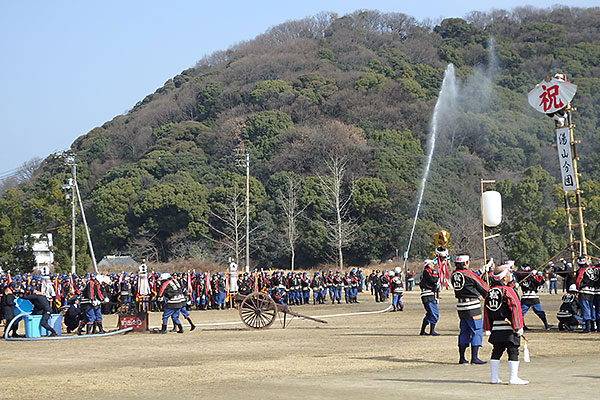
578 247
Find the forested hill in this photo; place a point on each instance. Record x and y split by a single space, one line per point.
310 96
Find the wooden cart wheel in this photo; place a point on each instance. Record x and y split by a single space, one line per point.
258 311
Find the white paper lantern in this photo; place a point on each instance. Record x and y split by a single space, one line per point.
492 208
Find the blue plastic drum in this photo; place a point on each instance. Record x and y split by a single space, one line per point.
23 306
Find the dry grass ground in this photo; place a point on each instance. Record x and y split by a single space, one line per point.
351 357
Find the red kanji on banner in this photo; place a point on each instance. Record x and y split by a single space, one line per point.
550 98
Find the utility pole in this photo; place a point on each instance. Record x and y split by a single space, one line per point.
69 160
72 184
73 257
243 160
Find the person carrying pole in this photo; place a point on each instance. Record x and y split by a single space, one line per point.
430 289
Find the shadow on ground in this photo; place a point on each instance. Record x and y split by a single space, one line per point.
404 360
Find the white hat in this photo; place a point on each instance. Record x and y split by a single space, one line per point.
164 276
441 251
427 262
398 270
462 258
392 273
573 288
102 279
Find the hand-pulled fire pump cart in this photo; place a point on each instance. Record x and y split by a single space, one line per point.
258 310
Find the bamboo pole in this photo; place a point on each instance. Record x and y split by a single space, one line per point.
483 181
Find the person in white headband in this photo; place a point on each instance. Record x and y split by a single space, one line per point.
503 323
468 287
530 282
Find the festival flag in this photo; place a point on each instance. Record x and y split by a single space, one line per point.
227 289
137 289
189 287
207 283
57 291
264 282
74 286
153 285
443 272
121 277
71 286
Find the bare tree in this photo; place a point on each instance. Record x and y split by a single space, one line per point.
341 229
8 183
145 246
19 175
181 247
228 226
28 168
289 203
466 229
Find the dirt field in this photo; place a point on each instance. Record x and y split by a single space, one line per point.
352 357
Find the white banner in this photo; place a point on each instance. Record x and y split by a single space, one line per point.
565 158
551 95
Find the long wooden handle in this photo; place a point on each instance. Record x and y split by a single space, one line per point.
295 314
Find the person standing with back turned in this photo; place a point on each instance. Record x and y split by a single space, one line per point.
467 289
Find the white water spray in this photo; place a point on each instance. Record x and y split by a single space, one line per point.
444 104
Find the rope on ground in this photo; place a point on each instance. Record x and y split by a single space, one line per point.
26 339
281 319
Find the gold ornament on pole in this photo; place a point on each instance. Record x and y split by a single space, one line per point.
441 238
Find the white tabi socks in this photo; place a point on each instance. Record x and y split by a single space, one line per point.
513 367
494 364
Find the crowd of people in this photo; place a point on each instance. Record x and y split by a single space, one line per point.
508 292
504 309
84 299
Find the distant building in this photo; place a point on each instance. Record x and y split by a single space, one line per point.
41 249
117 261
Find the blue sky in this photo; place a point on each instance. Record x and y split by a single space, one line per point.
69 66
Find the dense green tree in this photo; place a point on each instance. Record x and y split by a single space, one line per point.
261 130
170 207
315 87
370 80
155 180
112 209
265 89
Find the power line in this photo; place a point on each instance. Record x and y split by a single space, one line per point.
10 173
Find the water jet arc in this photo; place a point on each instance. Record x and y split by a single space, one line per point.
444 103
